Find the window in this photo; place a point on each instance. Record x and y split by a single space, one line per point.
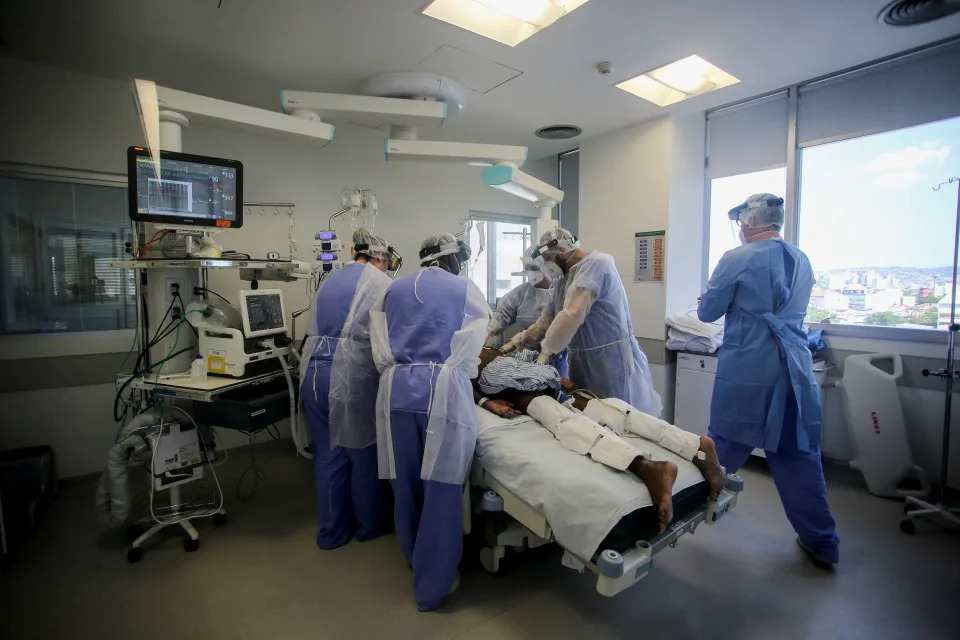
569 209
879 238
497 244
726 193
57 238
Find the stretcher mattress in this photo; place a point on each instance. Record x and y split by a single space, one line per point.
582 500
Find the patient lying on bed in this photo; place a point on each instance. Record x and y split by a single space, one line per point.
512 387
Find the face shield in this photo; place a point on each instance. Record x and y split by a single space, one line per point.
739 212
549 268
382 252
554 247
459 249
533 274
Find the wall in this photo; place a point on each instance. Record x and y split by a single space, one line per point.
64 119
624 188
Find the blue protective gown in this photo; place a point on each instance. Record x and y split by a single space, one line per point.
423 312
765 394
350 500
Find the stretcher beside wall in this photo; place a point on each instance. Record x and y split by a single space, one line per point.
530 491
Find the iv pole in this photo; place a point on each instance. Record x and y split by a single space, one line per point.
916 508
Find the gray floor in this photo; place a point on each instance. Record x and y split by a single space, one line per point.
261 576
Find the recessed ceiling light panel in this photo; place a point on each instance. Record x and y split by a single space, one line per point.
507 21
692 76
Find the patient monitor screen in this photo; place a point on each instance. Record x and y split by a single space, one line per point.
265 313
185 189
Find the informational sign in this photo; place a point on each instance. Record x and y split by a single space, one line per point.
648 262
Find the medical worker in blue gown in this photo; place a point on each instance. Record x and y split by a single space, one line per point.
765 394
591 318
427 333
338 390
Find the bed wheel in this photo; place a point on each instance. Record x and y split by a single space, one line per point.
733 482
610 563
908 526
491 502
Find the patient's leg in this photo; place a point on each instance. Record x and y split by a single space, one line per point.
621 417
585 436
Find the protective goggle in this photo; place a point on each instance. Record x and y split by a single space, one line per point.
459 248
734 214
541 250
394 259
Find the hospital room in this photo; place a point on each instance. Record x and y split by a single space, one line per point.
477 319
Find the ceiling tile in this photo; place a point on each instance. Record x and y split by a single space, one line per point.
472 71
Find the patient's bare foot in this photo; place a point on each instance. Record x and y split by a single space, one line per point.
710 466
659 478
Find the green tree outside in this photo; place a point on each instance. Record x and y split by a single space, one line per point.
818 315
883 319
928 319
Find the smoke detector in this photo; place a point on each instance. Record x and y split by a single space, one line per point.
907 13
559 132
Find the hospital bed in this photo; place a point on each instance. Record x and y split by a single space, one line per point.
528 491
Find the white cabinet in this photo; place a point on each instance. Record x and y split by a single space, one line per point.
695 375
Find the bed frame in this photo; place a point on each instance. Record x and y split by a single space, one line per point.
510 522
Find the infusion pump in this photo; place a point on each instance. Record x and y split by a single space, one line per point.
327 248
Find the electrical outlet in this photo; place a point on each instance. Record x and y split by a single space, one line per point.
171 286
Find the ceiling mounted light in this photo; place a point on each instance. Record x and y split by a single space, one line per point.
692 76
523 185
507 21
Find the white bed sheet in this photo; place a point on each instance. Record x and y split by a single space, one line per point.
581 499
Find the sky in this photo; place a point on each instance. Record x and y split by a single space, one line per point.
864 202
869 201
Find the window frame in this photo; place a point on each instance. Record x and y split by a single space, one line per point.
72 343
794 177
491 244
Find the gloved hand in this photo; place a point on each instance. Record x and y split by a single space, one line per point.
544 357
510 346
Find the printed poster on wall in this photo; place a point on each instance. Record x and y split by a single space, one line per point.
648 260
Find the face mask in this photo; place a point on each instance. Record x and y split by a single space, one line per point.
552 270
743 238
535 278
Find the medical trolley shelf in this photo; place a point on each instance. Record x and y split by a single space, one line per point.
203 263
179 385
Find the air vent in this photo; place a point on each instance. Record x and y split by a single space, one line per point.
906 13
559 132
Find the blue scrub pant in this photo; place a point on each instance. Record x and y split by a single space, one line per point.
349 491
427 514
803 492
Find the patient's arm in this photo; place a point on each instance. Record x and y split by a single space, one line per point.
497 406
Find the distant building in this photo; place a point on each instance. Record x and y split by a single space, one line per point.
909 301
943 312
863 299
828 300
856 295
923 292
